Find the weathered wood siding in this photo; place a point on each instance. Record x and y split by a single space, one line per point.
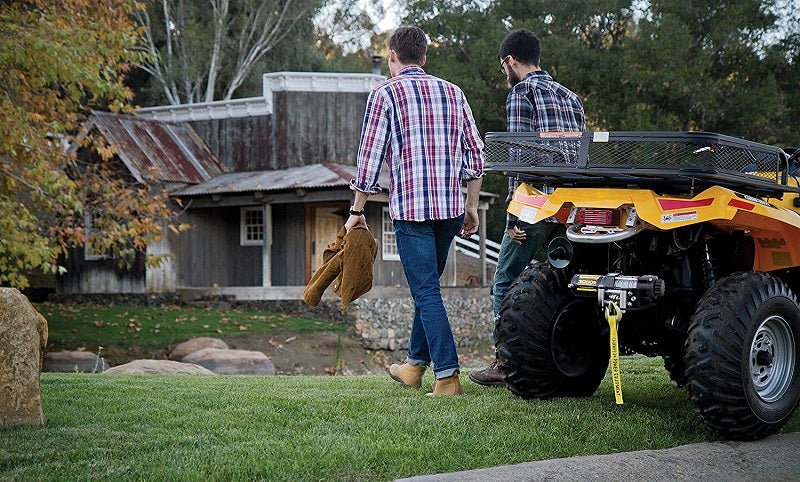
305 128
210 253
288 245
98 276
316 127
240 144
164 277
384 273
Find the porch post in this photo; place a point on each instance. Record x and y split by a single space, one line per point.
482 243
266 249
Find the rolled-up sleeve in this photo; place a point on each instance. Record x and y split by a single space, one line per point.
472 145
374 145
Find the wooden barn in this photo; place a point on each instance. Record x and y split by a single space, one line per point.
264 184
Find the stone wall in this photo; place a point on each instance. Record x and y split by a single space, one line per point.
385 323
381 319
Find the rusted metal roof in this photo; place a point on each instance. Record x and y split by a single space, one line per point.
307 177
169 151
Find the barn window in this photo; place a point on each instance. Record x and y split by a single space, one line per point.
252 224
90 223
388 240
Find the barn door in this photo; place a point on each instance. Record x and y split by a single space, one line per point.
326 222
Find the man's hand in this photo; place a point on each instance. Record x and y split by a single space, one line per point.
354 221
471 222
517 235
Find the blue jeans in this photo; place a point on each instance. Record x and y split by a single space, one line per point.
513 258
423 248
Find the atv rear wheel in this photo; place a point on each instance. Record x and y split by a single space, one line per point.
676 369
742 364
549 343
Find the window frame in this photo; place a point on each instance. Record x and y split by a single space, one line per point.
90 254
388 239
245 232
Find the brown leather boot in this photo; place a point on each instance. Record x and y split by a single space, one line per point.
408 375
447 387
490 376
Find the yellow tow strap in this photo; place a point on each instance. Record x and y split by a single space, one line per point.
613 315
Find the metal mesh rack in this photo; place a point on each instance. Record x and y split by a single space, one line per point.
669 160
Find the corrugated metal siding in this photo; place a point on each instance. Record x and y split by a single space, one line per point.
171 152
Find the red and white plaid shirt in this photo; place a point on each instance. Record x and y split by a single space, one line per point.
422 127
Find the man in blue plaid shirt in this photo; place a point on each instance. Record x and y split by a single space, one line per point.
536 103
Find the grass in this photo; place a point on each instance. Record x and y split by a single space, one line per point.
89 325
127 427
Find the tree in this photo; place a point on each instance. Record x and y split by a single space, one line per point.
201 54
57 63
728 67
700 66
465 39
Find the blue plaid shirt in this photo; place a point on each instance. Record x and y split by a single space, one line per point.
422 128
540 104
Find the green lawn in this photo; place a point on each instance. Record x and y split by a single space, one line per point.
126 427
90 325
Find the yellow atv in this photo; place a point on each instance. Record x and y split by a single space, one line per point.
684 245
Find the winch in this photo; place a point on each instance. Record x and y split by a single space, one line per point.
628 292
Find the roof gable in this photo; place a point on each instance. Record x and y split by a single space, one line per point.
171 152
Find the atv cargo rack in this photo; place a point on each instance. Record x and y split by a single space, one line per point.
684 162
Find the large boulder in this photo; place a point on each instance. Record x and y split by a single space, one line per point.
232 362
23 336
73 361
158 367
196 344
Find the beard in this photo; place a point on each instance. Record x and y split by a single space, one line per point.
513 78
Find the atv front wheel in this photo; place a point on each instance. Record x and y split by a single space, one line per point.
548 342
742 364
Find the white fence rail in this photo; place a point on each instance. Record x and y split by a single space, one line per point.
472 248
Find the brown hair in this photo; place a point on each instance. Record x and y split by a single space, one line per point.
410 44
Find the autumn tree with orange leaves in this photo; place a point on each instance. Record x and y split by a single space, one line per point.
58 61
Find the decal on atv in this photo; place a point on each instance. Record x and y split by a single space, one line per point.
678 217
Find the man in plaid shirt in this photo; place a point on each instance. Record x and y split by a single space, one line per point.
536 103
422 128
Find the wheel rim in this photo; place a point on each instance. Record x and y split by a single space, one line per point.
772 357
573 340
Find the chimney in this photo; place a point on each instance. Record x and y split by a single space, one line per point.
377 60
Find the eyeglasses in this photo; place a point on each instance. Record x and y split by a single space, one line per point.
503 63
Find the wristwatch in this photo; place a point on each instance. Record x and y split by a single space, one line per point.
356 213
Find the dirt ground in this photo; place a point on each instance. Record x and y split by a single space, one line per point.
328 353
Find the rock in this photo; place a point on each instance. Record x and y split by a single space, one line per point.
41 327
73 361
23 334
196 344
158 367
232 362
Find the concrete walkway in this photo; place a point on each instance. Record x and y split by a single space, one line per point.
773 459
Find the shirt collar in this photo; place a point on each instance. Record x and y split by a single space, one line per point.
411 70
537 73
